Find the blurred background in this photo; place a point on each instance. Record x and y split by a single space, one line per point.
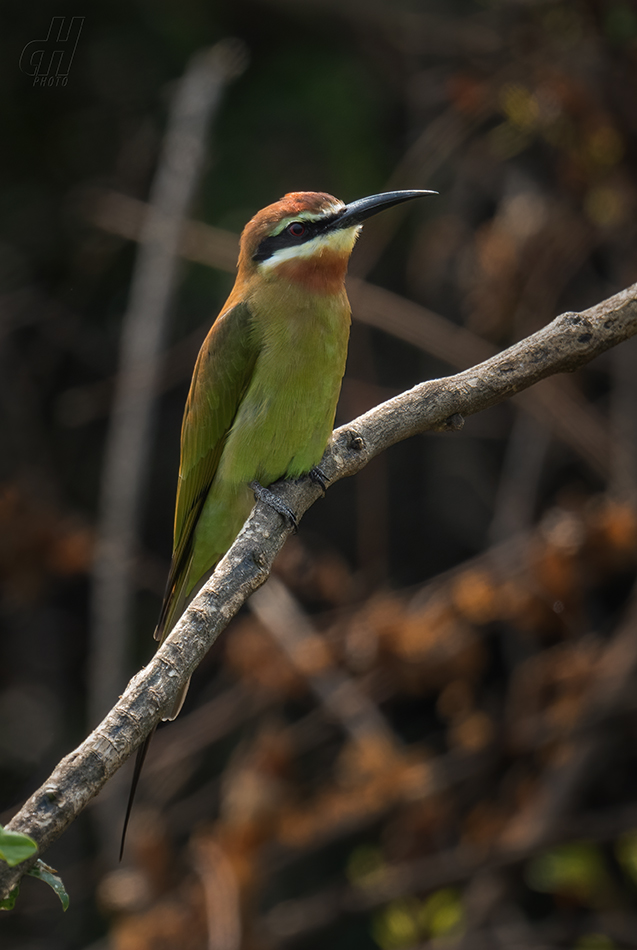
421 732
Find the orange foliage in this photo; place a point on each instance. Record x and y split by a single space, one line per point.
370 776
483 825
475 596
252 654
432 640
177 921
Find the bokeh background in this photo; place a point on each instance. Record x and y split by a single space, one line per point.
422 734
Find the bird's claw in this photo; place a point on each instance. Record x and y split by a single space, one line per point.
318 476
272 501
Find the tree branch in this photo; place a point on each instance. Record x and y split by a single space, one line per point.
569 342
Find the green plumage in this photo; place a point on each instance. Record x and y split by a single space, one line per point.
261 406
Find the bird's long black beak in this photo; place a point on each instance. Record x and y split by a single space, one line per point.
358 211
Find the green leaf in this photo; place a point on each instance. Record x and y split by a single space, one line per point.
442 913
15 847
8 903
365 865
50 877
405 922
626 851
576 869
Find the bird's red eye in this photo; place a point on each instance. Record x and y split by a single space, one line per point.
296 229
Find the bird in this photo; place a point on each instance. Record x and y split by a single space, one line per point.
266 382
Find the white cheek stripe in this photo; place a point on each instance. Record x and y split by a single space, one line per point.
341 241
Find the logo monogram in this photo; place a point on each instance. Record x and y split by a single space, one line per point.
49 61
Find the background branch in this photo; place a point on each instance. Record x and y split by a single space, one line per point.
144 328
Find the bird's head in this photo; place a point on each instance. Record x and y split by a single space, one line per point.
307 237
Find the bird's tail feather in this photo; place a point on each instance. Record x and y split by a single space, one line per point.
176 599
139 764
179 701
175 602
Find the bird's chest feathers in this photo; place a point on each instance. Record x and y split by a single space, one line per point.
304 337
287 414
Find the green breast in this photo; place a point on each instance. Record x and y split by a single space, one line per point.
286 416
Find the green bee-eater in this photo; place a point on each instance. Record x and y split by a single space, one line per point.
263 395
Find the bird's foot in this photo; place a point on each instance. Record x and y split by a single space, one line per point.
318 476
272 501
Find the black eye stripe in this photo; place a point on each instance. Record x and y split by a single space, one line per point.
276 242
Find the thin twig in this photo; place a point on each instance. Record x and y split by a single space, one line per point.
441 139
624 423
520 478
340 694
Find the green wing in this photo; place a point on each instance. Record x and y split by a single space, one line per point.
222 374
